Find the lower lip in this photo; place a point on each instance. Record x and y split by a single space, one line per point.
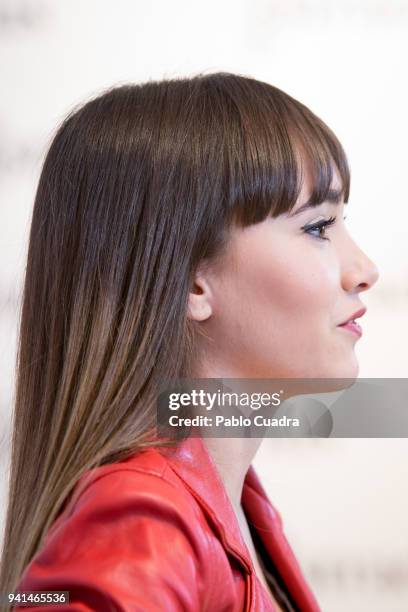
353 327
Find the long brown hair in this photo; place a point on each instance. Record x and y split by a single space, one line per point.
140 184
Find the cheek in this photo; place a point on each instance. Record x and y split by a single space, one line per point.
275 309
288 287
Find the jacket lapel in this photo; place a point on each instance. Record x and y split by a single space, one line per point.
195 466
268 524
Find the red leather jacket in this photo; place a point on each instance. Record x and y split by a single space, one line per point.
157 533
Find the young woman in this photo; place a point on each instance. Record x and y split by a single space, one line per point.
186 227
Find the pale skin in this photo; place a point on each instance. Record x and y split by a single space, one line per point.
271 307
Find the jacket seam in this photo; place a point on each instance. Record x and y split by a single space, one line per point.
139 470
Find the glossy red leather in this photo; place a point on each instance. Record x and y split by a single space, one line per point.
157 533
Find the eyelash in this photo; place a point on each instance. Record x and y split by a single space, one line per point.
318 226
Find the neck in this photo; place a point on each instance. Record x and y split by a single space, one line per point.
232 457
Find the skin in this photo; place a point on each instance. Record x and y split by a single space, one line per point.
271 308
274 302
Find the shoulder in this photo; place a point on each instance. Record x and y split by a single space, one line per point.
144 488
131 533
145 475
132 493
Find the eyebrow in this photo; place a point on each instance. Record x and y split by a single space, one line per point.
334 196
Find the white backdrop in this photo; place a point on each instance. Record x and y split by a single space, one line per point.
344 502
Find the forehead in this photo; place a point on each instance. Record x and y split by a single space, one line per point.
306 199
308 178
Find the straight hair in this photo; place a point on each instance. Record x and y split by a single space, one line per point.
140 185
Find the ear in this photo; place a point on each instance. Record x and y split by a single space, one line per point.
200 299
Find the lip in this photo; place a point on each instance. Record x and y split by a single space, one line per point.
351 326
356 315
354 328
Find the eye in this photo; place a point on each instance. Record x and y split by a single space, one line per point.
319 227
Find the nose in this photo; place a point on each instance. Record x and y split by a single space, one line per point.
359 272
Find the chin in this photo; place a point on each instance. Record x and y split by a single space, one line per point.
343 377
327 380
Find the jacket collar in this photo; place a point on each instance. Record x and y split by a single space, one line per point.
194 465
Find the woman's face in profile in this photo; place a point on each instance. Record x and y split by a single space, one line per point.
273 305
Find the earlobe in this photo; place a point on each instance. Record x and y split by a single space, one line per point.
199 301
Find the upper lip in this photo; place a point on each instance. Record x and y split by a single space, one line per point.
357 314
